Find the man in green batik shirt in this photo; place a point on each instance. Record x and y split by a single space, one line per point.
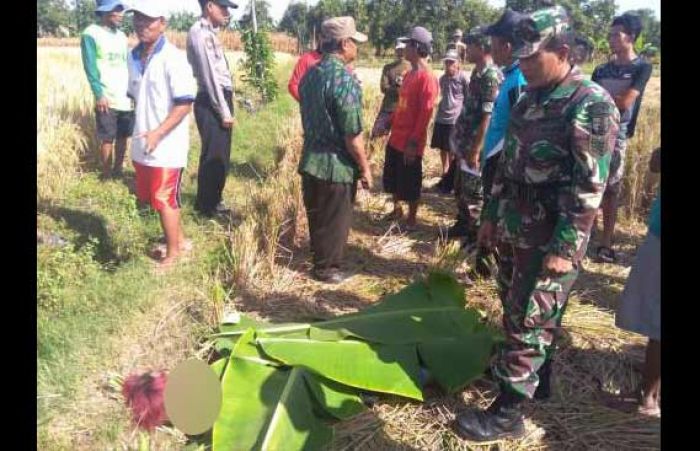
103 48
333 157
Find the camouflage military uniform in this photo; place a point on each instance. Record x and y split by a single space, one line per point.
547 188
483 90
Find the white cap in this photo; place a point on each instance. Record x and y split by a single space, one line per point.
150 8
400 45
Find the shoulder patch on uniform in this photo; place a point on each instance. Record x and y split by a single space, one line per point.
600 113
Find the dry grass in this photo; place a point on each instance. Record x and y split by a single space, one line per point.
65 125
267 276
231 40
595 357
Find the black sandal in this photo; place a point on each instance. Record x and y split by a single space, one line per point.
605 255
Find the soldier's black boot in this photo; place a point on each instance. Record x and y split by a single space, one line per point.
502 420
543 391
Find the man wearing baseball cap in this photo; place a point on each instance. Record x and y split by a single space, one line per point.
403 162
454 85
547 188
163 86
471 129
503 41
392 77
213 107
333 157
103 48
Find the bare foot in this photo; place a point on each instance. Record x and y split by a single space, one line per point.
165 265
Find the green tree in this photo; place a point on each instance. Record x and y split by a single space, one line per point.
259 62
294 21
262 13
50 15
181 21
651 26
82 15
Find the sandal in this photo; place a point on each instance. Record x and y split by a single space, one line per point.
605 254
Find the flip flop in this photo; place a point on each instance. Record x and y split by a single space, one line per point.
605 254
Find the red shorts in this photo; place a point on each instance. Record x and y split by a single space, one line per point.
158 186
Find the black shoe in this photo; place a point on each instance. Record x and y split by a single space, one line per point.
502 420
543 391
331 275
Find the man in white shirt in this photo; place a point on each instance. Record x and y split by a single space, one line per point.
163 86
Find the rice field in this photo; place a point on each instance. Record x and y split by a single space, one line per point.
258 264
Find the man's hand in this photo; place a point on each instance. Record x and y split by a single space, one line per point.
227 123
102 105
557 265
486 235
366 179
152 138
409 154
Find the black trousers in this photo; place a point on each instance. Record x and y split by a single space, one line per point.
329 211
216 152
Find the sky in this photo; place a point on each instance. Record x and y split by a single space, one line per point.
277 7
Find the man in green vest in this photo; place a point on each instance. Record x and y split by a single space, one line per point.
104 48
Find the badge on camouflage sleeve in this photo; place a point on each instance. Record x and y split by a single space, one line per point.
600 118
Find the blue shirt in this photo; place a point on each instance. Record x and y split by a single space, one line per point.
508 95
655 216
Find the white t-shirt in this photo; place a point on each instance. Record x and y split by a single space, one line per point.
166 80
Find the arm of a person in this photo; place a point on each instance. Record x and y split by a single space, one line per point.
427 95
385 83
356 146
349 119
626 99
491 211
88 53
489 93
479 136
595 127
204 48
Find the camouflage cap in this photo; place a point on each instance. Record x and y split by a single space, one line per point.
478 36
538 30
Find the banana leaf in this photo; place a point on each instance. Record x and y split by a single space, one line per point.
425 309
383 368
334 400
265 407
457 361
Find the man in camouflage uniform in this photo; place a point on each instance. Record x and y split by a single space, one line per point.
470 133
458 45
546 191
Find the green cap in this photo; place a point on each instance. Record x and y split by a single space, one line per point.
478 36
539 28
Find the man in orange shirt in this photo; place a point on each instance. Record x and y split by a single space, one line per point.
403 163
